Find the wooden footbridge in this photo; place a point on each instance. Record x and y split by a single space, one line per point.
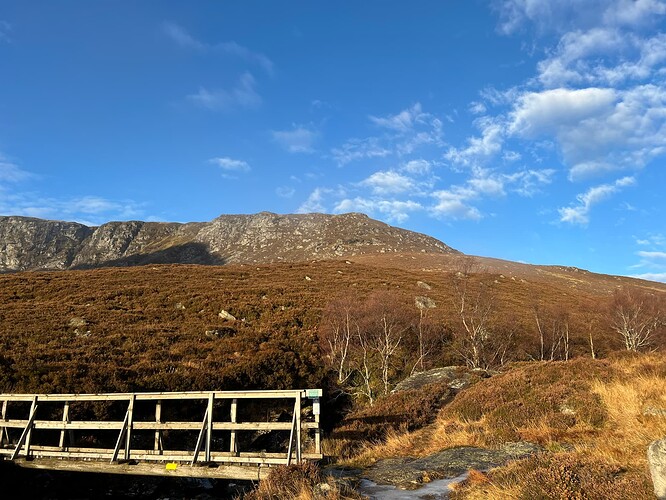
187 434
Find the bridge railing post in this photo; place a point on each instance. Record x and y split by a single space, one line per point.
159 445
233 447
27 432
65 419
4 434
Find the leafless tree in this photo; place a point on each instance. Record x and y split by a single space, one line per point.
553 326
387 327
424 331
339 331
635 315
475 303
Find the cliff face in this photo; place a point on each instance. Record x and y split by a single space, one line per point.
32 244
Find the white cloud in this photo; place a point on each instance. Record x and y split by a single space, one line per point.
388 182
298 140
567 15
89 210
598 130
549 111
10 172
5 29
479 149
529 182
230 165
477 108
393 210
403 133
454 204
285 191
179 35
315 202
243 95
357 149
580 214
417 167
603 57
653 256
183 38
660 277
492 186
403 122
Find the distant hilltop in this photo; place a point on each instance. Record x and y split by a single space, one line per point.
28 243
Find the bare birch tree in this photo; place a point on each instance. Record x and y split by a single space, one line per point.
474 301
635 315
339 331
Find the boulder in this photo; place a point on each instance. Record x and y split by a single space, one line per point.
657 459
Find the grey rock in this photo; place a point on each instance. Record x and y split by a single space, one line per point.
424 285
456 377
34 244
406 473
657 460
424 302
226 315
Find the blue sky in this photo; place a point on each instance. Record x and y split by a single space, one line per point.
527 130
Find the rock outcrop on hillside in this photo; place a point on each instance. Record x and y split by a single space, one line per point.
35 244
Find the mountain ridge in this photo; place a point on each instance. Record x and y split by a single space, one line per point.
28 243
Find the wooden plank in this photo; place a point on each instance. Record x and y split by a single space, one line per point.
4 434
65 419
157 426
232 441
159 446
177 426
153 396
297 411
123 430
200 438
249 473
128 433
26 430
182 455
209 426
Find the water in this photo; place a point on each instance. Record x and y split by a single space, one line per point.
435 490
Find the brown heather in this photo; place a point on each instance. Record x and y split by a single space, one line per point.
158 328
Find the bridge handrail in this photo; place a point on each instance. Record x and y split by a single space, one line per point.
28 447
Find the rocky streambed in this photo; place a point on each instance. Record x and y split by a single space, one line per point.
428 477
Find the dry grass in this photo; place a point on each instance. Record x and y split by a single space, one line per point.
608 461
300 482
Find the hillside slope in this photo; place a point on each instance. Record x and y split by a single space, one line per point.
36 244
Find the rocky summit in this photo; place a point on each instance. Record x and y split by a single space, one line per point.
35 244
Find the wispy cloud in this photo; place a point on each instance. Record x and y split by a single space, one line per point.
547 16
90 209
314 202
358 149
403 122
392 210
299 139
598 130
388 182
401 135
5 30
243 95
579 214
660 277
230 165
11 172
479 149
183 38
653 261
